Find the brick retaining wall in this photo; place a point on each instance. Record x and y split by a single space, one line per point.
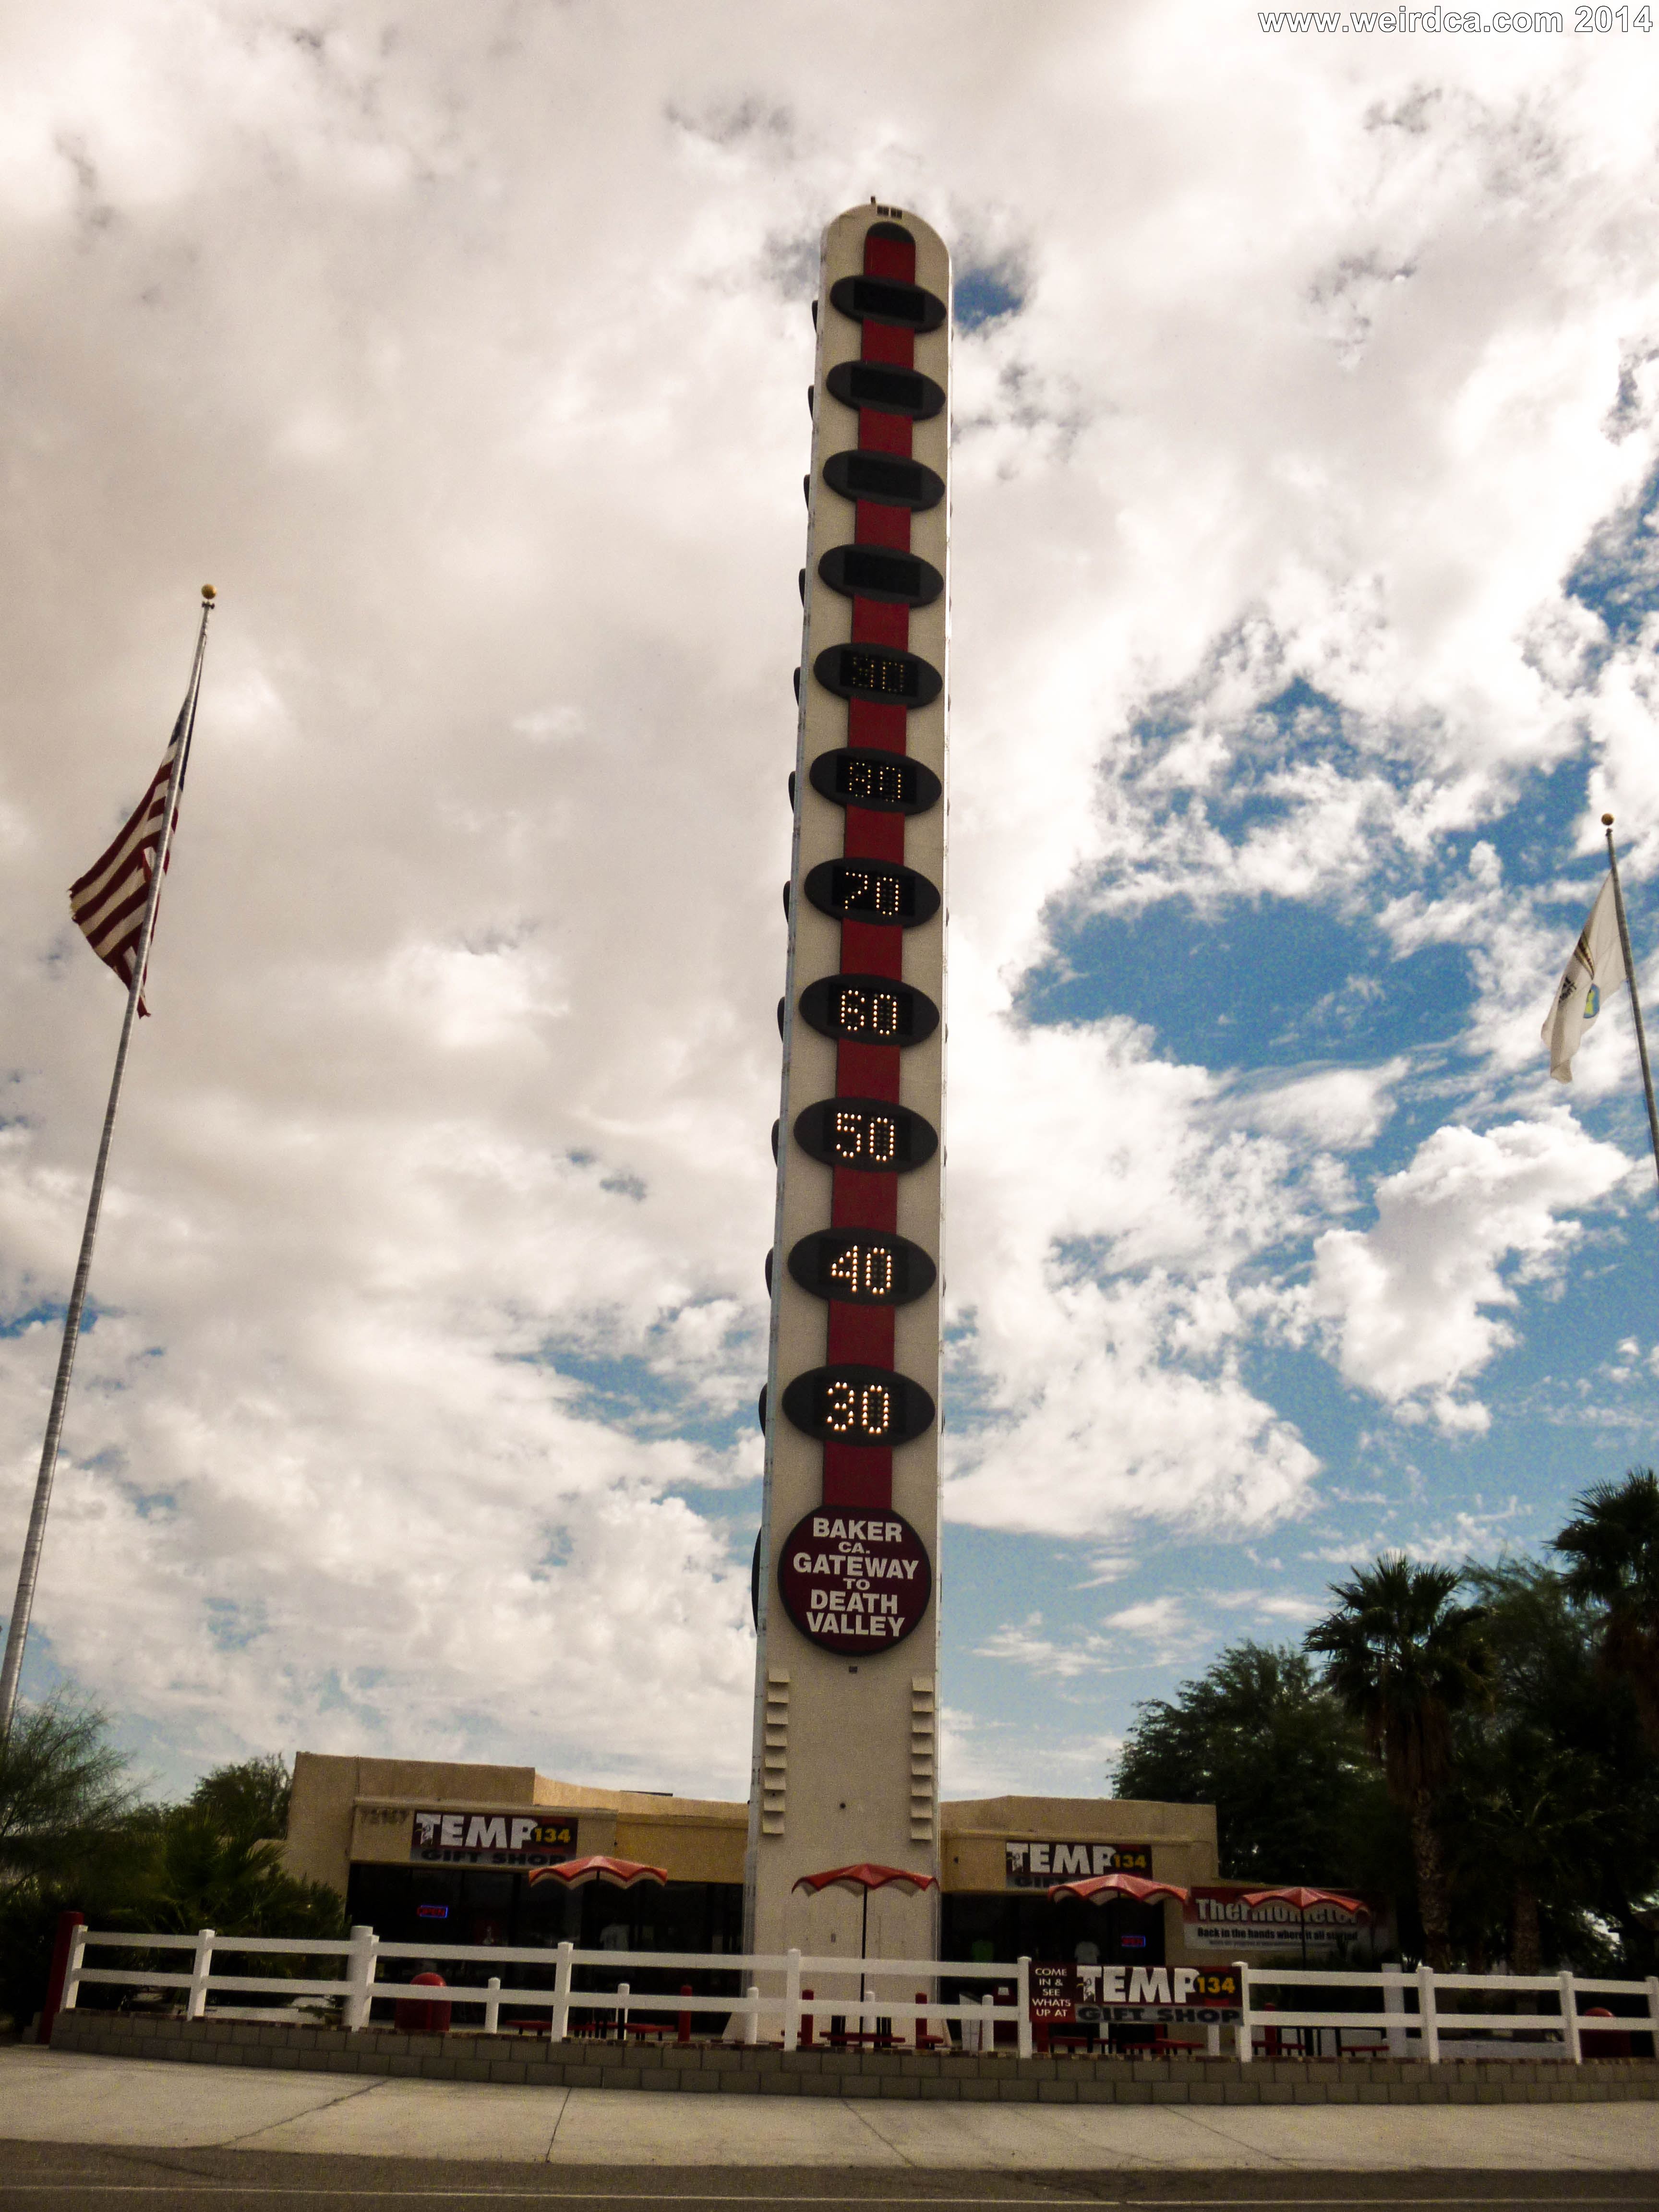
732 2069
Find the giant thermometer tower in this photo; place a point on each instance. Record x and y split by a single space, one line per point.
844 1766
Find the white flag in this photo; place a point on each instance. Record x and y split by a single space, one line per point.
1597 966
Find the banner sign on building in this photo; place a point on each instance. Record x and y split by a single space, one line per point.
1220 1920
1040 1866
501 1839
1066 1996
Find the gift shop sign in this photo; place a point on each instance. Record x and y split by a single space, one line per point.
1220 1920
1062 1996
1040 1866
451 1839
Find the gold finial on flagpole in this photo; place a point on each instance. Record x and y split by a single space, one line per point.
209 594
1607 821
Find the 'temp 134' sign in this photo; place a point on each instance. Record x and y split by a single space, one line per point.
1206 1996
448 1838
1039 1866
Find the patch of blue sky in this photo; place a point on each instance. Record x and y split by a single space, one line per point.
1270 984
1617 576
235 1625
36 1316
735 1512
1574 1401
1533 836
153 1504
626 1391
336 1692
981 295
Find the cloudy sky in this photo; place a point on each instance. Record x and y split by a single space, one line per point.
1305 595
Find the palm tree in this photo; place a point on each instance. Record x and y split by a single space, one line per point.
1613 1548
1403 1658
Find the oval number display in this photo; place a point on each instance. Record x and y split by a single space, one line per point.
858 1405
877 572
866 1132
881 300
879 673
880 892
887 783
868 1010
889 391
884 479
862 1267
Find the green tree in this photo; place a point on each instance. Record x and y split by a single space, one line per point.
64 1790
1274 1752
216 1861
249 1799
66 1811
1521 1815
1402 1659
1613 1551
74 1835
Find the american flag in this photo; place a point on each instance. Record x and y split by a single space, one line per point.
108 901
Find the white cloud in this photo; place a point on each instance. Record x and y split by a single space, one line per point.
1341 1108
463 350
1089 1260
1158 1629
1410 1299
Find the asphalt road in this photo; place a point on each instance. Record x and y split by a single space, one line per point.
72 2178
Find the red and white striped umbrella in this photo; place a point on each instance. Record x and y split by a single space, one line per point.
1101 1888
620 1873
864 1877
860 1879
1302 1899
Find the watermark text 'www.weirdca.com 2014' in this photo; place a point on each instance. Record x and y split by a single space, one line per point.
1588 22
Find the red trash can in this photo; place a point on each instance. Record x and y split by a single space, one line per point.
1602 2042
421 2015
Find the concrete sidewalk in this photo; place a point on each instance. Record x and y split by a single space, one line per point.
61 2098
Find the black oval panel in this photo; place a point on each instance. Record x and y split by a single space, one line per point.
862 1267
885 479
879 672
881 300
870 1133
888 390
868 1010
874 572
848 1405
887 783
872 890
760 1407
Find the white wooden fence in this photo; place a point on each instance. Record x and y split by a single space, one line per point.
1410 2021
786 2009
1419 2032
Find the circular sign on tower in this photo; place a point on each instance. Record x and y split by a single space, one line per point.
855 1583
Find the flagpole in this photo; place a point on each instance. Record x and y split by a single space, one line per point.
17 1628
1635 999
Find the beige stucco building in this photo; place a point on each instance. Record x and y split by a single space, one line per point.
426 1850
